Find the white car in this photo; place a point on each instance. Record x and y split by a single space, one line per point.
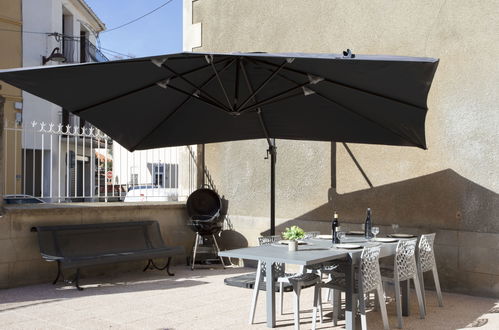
151 194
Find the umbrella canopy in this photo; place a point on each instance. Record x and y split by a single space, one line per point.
196 98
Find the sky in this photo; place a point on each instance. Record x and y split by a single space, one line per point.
155 34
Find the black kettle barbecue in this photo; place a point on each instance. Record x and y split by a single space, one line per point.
204 209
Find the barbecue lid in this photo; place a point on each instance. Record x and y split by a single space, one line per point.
204 204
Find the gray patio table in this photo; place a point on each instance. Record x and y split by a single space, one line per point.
314 252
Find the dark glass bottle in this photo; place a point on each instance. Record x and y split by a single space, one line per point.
334 228
368 233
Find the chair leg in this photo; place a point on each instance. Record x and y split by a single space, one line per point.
362 310
421 284
281 296
319 298
296 291
382 306
256 289
398 304
336 306
419 295
317 291
437 286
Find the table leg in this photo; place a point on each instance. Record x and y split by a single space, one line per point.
270 286
405 297
350 306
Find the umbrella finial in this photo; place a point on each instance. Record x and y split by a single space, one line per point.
348 53
164 83
159 61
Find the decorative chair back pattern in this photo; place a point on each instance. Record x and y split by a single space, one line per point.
369 268
426 252
312 234
405 259
279 267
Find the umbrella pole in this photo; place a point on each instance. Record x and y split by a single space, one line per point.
273 155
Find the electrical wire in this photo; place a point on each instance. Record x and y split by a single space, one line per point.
138 18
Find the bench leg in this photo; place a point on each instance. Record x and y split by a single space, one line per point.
77 280
152 265
148 266
168 266
59 272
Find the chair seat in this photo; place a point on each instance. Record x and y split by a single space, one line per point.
304 280
387 273
339 283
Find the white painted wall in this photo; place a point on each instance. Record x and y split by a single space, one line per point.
46 16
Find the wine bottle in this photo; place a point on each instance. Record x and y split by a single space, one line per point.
368 225
335 229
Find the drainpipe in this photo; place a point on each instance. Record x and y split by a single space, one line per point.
200 166
2 102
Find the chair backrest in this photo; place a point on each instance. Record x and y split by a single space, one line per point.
312 234
405 259
370 276
426 252
268 240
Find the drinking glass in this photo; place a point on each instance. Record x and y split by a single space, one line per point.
395 227
375 231
341 235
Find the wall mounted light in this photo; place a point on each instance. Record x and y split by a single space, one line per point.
55 56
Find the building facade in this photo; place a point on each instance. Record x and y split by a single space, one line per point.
11 57
42 158
451 188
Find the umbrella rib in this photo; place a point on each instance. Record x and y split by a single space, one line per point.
175 110
76 112
221 84
259 110
265 82
346 86
181 76
275 98
403 136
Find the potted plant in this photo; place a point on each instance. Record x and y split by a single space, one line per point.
293 234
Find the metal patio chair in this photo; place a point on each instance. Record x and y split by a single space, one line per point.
298 281
404 268
368 279
426 263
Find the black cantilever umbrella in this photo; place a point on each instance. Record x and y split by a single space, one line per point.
196 98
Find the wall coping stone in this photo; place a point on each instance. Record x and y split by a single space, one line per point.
12 209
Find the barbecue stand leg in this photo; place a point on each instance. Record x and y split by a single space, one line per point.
59 272
218 250
194 250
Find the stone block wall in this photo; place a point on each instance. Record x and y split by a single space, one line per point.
20 260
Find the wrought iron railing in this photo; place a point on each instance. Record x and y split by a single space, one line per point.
81 164
78 50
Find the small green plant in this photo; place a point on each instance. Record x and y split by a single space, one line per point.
294 233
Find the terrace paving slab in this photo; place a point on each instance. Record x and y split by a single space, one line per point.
199 299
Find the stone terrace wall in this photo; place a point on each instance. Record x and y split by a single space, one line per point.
20 260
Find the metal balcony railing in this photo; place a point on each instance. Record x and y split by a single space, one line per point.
78 50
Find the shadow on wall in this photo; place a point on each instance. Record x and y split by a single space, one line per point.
443 200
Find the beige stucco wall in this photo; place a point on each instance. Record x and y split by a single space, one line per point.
453 185
20 260
10 57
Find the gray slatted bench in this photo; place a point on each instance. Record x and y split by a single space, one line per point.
76 246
